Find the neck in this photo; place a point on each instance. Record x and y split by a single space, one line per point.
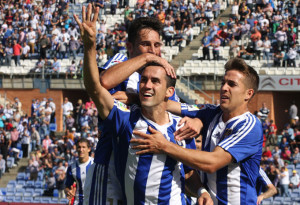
156 114
227 115
83 160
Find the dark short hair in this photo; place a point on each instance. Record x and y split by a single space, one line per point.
171 82
143 23
251 76
83 140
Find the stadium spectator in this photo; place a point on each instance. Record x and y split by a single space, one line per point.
168 34
292 54
215 43
294 180
272 135
71 69
296 156
284 182
25 51
44 44
2 166
17 50
8 54
73 46
233 50
206 42
56 67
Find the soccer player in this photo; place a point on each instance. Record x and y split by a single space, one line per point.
232 139
143 46
77 172
264 184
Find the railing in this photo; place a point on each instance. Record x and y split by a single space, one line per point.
192 86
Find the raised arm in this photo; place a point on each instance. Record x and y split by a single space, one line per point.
101 97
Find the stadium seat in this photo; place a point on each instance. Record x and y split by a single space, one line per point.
54 200
18 199
55 193
11 184
21 176
10 193
291 166
29 184
36 200
10 162
38 192
45 200
27 199
63 201
38 184
9 198
20 184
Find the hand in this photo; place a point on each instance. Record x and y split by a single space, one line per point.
259 199
71 193
164 63
88 25
152 143
127 98
191 128
205 199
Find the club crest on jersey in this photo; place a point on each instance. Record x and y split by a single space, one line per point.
227 132
192 107
122 106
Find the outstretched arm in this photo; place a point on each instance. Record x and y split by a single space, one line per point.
102 98
270 192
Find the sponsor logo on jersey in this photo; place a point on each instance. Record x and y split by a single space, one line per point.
122 106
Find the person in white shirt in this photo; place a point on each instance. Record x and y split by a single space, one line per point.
25 53
284 182
67 109
266 50
31 39
292 54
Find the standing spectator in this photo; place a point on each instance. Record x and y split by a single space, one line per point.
278 57
73 46
292 54
5 144
280 36
113 6
266 50
178 38
216 8
46 142
272 136
67 109
17 49
44 44
293 112
294 180
264 111
2 166
2 54
168 34
233 50
31 36
284 182
8 54
25 136
35 138
296 156
25 53
216 47
60 184
62 48
206 43
256 35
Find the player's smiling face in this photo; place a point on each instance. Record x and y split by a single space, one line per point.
233 91
147 42
153 86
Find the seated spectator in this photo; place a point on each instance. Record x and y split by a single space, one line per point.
71 70
292 54
286 154
188 34
168 34
294 180
178 38
32 169
267 153
296 156
50 181
278 57
234 45
216 43
56 67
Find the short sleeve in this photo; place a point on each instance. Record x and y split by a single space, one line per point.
116 120
69 178
244 140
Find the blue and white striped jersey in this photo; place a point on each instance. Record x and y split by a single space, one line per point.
77 172
262 182
242 137
148 178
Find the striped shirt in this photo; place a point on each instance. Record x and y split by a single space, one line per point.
77 172
148 178
242 137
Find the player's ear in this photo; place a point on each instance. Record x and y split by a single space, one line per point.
170 91
249 94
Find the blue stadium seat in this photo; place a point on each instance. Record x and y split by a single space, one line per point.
29 184
40 176
2 198
18 199
294 194
55 193
10 162
28 199
21 176
45 200
291 166
38 184
36 200
64 201
20 184
3 191
9 198
10 193
54 200
11 184
20 154
38 192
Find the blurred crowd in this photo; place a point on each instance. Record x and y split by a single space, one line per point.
281 157
265 29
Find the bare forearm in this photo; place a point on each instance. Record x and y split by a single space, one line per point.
205 161
174 107
120 72
192 183
270 192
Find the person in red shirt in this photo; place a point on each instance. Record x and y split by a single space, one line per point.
272 137
267 153
17 48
